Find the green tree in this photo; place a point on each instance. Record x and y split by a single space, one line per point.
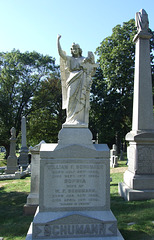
47 115
112 89
20 76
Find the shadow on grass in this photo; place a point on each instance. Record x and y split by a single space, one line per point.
114 184
13 222
135 235
135 219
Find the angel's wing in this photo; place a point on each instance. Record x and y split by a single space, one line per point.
64 76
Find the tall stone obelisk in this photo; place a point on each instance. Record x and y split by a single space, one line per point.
23 159
139 178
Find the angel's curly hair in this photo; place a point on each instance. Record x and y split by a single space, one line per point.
78 46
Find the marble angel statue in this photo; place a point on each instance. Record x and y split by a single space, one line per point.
142 22
76 73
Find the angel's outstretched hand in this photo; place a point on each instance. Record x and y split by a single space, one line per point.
59 36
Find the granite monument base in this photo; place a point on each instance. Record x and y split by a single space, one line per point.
32 204
30 209
12 166
11 170
74 195
75 225
136 187
23 158
138 181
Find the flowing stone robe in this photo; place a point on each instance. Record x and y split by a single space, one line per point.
76 82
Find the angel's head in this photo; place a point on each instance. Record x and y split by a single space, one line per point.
76 51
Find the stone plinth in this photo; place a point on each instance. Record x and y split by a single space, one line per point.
33 197
23 158
74 195
139 178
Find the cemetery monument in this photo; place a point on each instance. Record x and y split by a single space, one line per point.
33 197
74 194
23 158
12 166
139 178
113 156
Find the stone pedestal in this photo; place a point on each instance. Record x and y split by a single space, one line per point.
12 166
74 196
33 197
139 178
23 158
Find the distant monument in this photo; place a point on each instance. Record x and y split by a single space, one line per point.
74 195
139 178
113 156
23 159
12 166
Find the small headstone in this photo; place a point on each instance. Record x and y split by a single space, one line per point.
12 158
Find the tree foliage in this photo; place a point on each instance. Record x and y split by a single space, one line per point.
112 89
20 76
47 115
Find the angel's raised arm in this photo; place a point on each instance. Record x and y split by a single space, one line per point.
60 51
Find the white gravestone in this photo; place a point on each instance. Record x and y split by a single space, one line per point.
74 195
23 159
113 156
139 178
12 166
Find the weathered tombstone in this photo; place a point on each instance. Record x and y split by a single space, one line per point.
139 178
33 197
113 156
12 166
23 159
74 195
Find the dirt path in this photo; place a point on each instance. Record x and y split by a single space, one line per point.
118 169
2 184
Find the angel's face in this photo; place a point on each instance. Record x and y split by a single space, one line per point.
75 51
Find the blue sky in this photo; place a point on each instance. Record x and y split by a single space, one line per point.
30 25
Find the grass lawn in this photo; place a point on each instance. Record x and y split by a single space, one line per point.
135 219
3 161
13 196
